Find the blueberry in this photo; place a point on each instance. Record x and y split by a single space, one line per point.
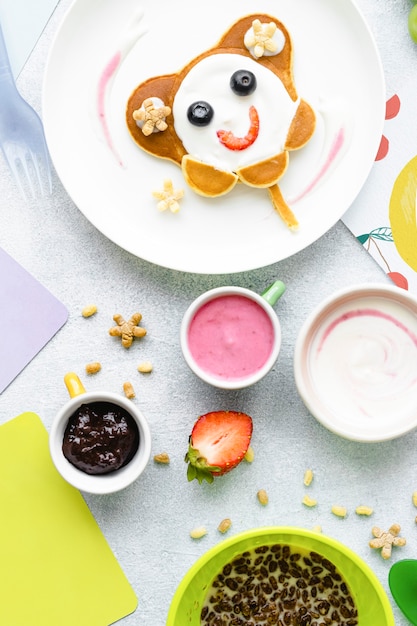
200 113
243 82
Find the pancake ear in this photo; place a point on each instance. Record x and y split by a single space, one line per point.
164 144
280 64
302 127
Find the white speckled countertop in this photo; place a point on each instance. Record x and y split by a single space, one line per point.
148 524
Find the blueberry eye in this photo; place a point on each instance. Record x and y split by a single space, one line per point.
200 113
243 82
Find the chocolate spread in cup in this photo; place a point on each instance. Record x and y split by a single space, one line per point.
100 437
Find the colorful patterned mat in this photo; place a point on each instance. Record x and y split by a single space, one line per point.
383 217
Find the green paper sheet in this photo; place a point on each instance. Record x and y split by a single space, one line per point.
56 567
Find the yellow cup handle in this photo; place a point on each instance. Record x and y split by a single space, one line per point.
73 384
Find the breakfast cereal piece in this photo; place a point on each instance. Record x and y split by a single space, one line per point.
386 540
127 330
168 197
364 510
308 477
128 390
162 458
151 116
93 368
339 511
414 498
145 367
260 39
198 532
310 502
262 497
250 455
224 525
89 310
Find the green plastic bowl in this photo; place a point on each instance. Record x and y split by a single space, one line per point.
372 602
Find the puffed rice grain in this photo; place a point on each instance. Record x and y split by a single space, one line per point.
339 511
224 525
262 497
128 390
93 368
198 532
89 310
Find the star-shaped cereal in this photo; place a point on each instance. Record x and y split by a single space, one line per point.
386 540
168 197
260 38
127 330
151 116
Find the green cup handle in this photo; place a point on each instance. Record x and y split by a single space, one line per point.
273 293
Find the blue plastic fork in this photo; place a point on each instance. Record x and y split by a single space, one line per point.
22 138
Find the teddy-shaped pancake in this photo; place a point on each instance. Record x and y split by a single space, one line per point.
231 114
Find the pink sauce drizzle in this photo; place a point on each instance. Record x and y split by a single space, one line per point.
103 84
127 40
366 313
334 151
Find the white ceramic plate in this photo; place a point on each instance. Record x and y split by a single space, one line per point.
335 61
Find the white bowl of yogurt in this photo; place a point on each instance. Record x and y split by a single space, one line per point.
231 336
355 362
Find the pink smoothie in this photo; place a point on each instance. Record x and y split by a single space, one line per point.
231 337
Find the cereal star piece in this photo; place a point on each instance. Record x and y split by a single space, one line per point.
386 540
152 117
168 197
260 39
127 330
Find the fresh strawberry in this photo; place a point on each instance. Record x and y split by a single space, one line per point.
218 442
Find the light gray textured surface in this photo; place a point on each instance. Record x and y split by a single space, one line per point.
148 524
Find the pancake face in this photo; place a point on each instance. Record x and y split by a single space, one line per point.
231 114
262 117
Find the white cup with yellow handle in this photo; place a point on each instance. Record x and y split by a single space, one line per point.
81 448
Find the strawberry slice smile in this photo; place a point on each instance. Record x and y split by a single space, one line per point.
230 141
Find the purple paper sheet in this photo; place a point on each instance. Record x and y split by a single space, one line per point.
29 317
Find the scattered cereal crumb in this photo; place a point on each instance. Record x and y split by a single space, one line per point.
145 367
250 455
168 197
364 510
89 310
339 511
162 458
198 532
127 330
317 529
308 477
415 498
128 389
93 368
224 525
262 497
309 501
386 540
